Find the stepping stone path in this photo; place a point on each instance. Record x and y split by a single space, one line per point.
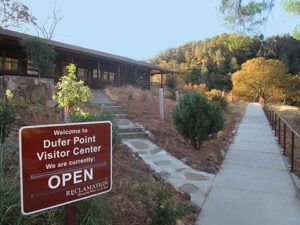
182 177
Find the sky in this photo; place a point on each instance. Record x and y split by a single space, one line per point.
141 29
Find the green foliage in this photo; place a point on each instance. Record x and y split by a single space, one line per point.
7 118
171 83
197 119
160 208
71 93
41 55
94 211
245 17
99 116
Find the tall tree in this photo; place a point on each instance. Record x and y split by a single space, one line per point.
260 77
245 17
14 14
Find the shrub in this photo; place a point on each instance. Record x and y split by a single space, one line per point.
201 88
171 84
216 96
7 118
99 116
197 119
159 205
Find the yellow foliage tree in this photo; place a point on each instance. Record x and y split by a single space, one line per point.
260 77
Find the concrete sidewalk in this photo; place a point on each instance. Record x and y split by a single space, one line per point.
253 187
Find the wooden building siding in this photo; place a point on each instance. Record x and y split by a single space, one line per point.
96 68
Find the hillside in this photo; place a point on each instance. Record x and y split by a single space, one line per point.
214 60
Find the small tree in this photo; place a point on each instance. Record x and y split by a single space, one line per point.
41 55
197 119
71 93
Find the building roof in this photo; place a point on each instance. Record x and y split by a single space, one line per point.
89 52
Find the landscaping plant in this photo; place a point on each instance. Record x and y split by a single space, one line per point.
71 92
197 119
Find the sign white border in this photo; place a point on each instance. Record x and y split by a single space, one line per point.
21 165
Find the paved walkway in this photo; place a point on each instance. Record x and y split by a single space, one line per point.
253 187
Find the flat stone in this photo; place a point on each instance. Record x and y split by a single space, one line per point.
222 153
156 150
165 175
194 176
180 169
162 162
210 170
189 188
142 152
139 144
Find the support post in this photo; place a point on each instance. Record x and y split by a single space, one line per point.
293 152
161 103
177 97
119 74
161 80
71 214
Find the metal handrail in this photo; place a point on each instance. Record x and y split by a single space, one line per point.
275 121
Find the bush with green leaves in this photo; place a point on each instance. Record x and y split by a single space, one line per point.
41 55
7 118
99 116
158 203
197 119
71 92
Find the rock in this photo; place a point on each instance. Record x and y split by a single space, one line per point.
210 170
179 222
222 153
194 176
139 144
150 136
184 160
189 188
51 103
162 162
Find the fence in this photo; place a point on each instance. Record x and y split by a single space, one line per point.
288 138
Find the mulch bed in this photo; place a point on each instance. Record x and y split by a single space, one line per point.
143 107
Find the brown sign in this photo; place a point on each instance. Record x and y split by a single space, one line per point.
64 163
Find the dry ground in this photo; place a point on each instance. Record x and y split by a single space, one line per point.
130 175
143 107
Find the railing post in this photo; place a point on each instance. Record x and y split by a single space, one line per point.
279 130
275 124
284 139
292 154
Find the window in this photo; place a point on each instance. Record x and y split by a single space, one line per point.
112 76
106 76
30 69
95 75
11 64
82 73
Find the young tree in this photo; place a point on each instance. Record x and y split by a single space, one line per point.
197 119
71 93
14 14
259 77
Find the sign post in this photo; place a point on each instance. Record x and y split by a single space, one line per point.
65 163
